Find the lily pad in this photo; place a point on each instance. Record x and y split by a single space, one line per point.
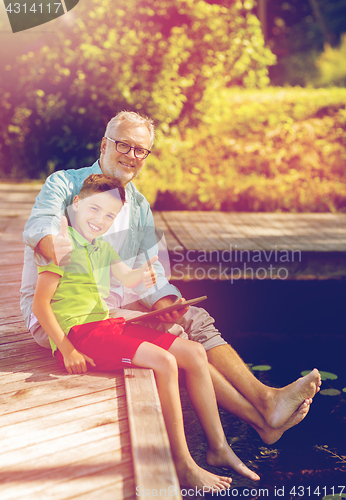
330 392
324 375
344 389
261 368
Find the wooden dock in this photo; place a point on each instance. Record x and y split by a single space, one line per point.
102 434
96 435
220 245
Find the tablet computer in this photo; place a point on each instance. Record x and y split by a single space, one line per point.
174 307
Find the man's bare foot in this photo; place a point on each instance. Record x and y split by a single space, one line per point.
193 476
280 404
225 457
270 435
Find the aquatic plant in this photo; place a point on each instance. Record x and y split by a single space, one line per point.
342 458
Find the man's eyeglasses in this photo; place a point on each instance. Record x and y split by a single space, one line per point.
124 148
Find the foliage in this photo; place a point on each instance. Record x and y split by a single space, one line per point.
332 65
299 52
268 150
326 68
160 57
298 30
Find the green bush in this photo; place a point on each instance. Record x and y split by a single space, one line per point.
268 150
158 57
331 65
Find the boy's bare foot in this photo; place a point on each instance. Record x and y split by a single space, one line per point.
225 457
280 404
193 476
270 435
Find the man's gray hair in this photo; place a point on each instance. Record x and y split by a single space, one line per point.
132 117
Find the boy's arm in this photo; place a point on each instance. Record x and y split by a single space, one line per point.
75 361
133 277
147 237
57 248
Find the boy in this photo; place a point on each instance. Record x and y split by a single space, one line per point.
69 304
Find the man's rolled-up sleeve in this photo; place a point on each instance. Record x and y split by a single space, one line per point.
49 206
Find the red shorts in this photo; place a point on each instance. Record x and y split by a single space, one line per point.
112 344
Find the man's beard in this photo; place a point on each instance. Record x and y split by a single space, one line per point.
119 173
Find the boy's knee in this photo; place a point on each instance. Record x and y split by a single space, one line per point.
167 363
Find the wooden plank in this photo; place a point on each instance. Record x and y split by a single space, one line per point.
152 460
270 237
116 491
70 455
293 233
12 320
22 187
43 429
211 236
78 401
71 386
17 327
12 309
160 222
232 232
177 225
27 371
8 338
65 482
39 357
16 456
20 348
254 227
14 460
16 367
31 395
256 231
301 231
332 231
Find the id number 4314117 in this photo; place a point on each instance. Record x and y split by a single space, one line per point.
328 492
35 8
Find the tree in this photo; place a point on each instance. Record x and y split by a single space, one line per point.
298 30
163 61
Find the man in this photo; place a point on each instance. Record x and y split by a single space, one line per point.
124 149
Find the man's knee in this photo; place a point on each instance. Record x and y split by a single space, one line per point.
198 354
200 328
40 336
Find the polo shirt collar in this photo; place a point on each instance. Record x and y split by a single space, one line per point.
80 240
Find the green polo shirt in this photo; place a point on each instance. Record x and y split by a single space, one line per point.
84 283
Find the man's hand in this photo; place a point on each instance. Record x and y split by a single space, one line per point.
149 274
76 362
62 245
173 316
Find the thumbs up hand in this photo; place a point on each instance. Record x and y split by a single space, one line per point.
62 245
149 273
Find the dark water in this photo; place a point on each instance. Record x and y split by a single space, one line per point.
291 326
